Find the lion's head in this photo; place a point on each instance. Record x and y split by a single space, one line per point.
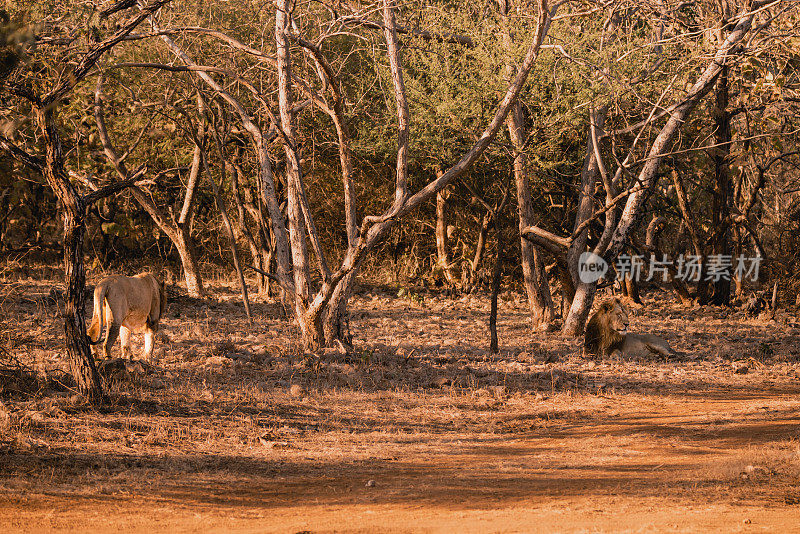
606 328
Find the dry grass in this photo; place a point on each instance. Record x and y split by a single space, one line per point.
421 407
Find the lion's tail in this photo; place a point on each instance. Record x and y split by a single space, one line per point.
96 328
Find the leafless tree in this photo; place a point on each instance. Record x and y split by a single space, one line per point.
44 107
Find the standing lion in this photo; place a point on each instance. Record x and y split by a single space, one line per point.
606 334
125 304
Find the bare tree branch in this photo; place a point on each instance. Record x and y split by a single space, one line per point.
34 162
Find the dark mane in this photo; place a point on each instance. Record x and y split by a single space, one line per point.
601 339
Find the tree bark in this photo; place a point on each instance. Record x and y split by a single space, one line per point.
537 286
497 276
256 251
176 231
266 180
336 319
336 326
188 256
590 173
310 324
580 301
191 269
223 209
647 177
722 192
579 309
654 230
79 357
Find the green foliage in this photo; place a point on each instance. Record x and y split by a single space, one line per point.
608 58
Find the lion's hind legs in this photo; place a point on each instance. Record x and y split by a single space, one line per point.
662 349
112 331
149 339
125 342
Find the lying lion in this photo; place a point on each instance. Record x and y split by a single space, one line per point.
606 335
125 304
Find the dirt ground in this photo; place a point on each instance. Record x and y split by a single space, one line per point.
233 429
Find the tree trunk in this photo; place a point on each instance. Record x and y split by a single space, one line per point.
176 231
738 280
229 233
631 289
537 286
497 276
582 297
80 360
79 356
566 282
586 197
336 320
722 193
299 220
243 229
579 309
188 257
191 270
480 249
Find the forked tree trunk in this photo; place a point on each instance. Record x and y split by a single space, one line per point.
183 239
335 319
590 173
176 230
648 175
579 303
79 356
310 324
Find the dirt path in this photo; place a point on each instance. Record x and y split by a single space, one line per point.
665 465
421 431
